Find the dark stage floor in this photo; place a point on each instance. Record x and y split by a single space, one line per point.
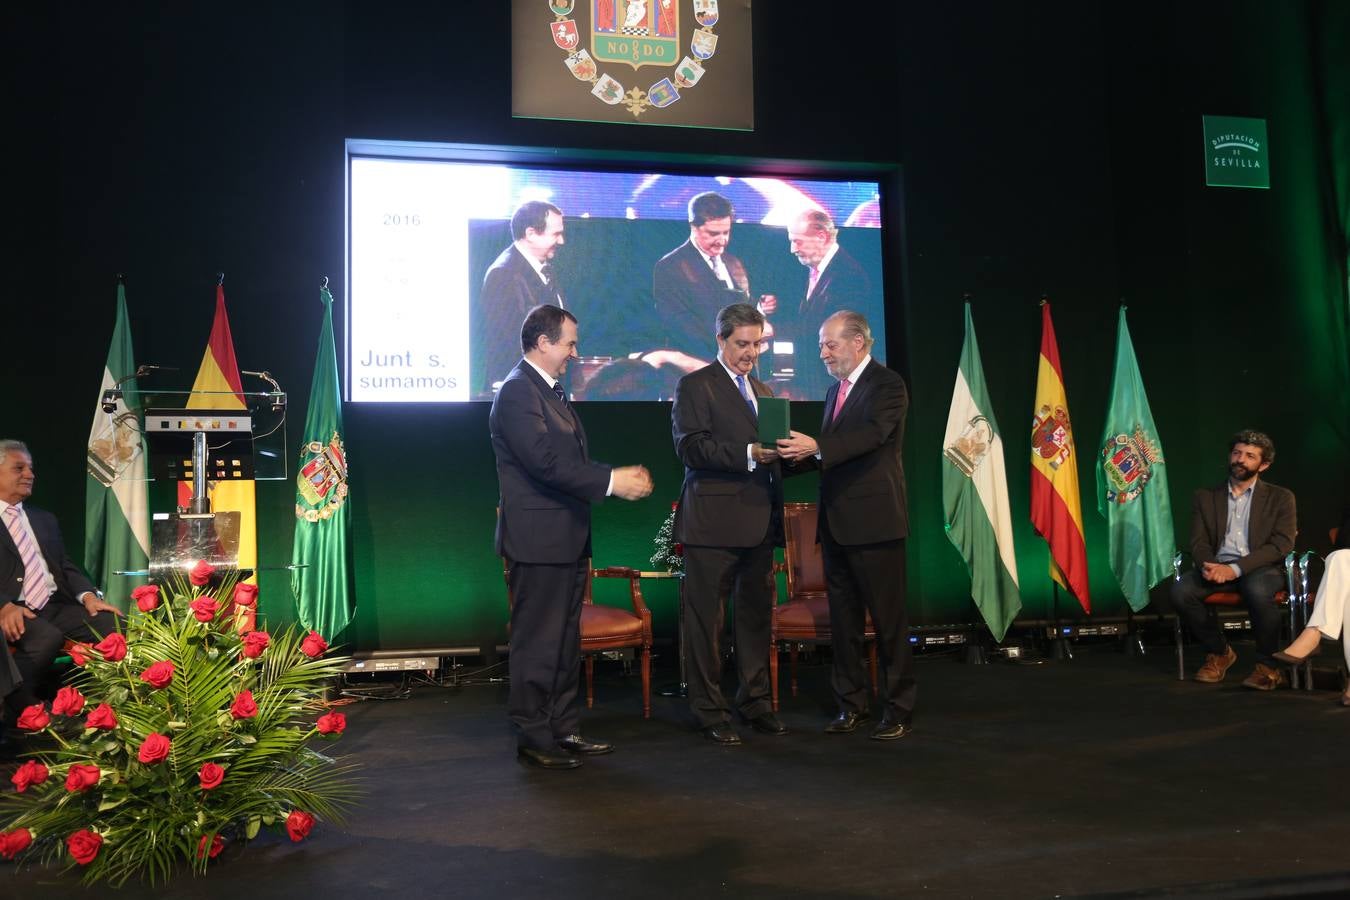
1101 776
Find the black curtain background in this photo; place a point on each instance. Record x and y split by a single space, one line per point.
1046 147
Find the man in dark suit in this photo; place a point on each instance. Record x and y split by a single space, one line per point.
696 279
520 279
862 522
832 281
1241 530
548 482
44 597
729 519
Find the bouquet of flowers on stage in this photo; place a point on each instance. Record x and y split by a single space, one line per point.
669 555
178 738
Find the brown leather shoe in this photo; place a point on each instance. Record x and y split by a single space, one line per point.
1216 666
1264 678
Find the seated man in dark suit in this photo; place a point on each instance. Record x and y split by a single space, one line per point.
1240 532
44 597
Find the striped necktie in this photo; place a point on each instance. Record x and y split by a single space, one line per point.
34 573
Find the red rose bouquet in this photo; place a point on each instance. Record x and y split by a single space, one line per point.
194 737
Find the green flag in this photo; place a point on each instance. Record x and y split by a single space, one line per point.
975 493
117 501
323 585
1132 482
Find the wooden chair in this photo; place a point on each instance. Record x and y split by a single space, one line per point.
805 617
610 628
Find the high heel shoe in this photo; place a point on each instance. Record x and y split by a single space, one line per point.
1291 660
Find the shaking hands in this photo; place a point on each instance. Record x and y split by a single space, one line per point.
631 482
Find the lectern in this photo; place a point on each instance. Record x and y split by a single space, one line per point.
205 437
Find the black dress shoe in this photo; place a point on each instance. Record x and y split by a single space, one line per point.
847 721
547 759
768 724
888 730
722 734
575 743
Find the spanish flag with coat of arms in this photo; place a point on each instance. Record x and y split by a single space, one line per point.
1056 511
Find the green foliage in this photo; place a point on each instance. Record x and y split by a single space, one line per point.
153 817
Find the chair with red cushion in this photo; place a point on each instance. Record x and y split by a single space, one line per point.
611 628
805 617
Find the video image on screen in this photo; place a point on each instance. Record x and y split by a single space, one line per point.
439 285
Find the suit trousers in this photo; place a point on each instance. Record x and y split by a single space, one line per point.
42 638
545 651
869 579
1257 590
1328 615
711 575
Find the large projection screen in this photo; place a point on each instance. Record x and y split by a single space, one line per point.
426 222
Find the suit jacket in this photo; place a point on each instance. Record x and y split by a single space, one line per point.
511 288
722 503
862 479
688 295
71 582
547 480
843 285
1272 525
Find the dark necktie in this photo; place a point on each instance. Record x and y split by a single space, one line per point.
550 286
558 389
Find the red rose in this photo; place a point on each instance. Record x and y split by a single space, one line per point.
158 675
12 843
298 825
83 845
68 702
201 573
245 594
31 772
82 777
255 642
243 706
211 775
313 645
204 608
155 748
332 723
101 717
34 718
146 597
113 648
217 845
80 653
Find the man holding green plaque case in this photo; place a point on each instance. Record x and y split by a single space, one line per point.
862 522
729 519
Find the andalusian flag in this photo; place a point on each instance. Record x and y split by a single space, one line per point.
1056 511
117 504
975 493
323 587
218 386
1132 483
